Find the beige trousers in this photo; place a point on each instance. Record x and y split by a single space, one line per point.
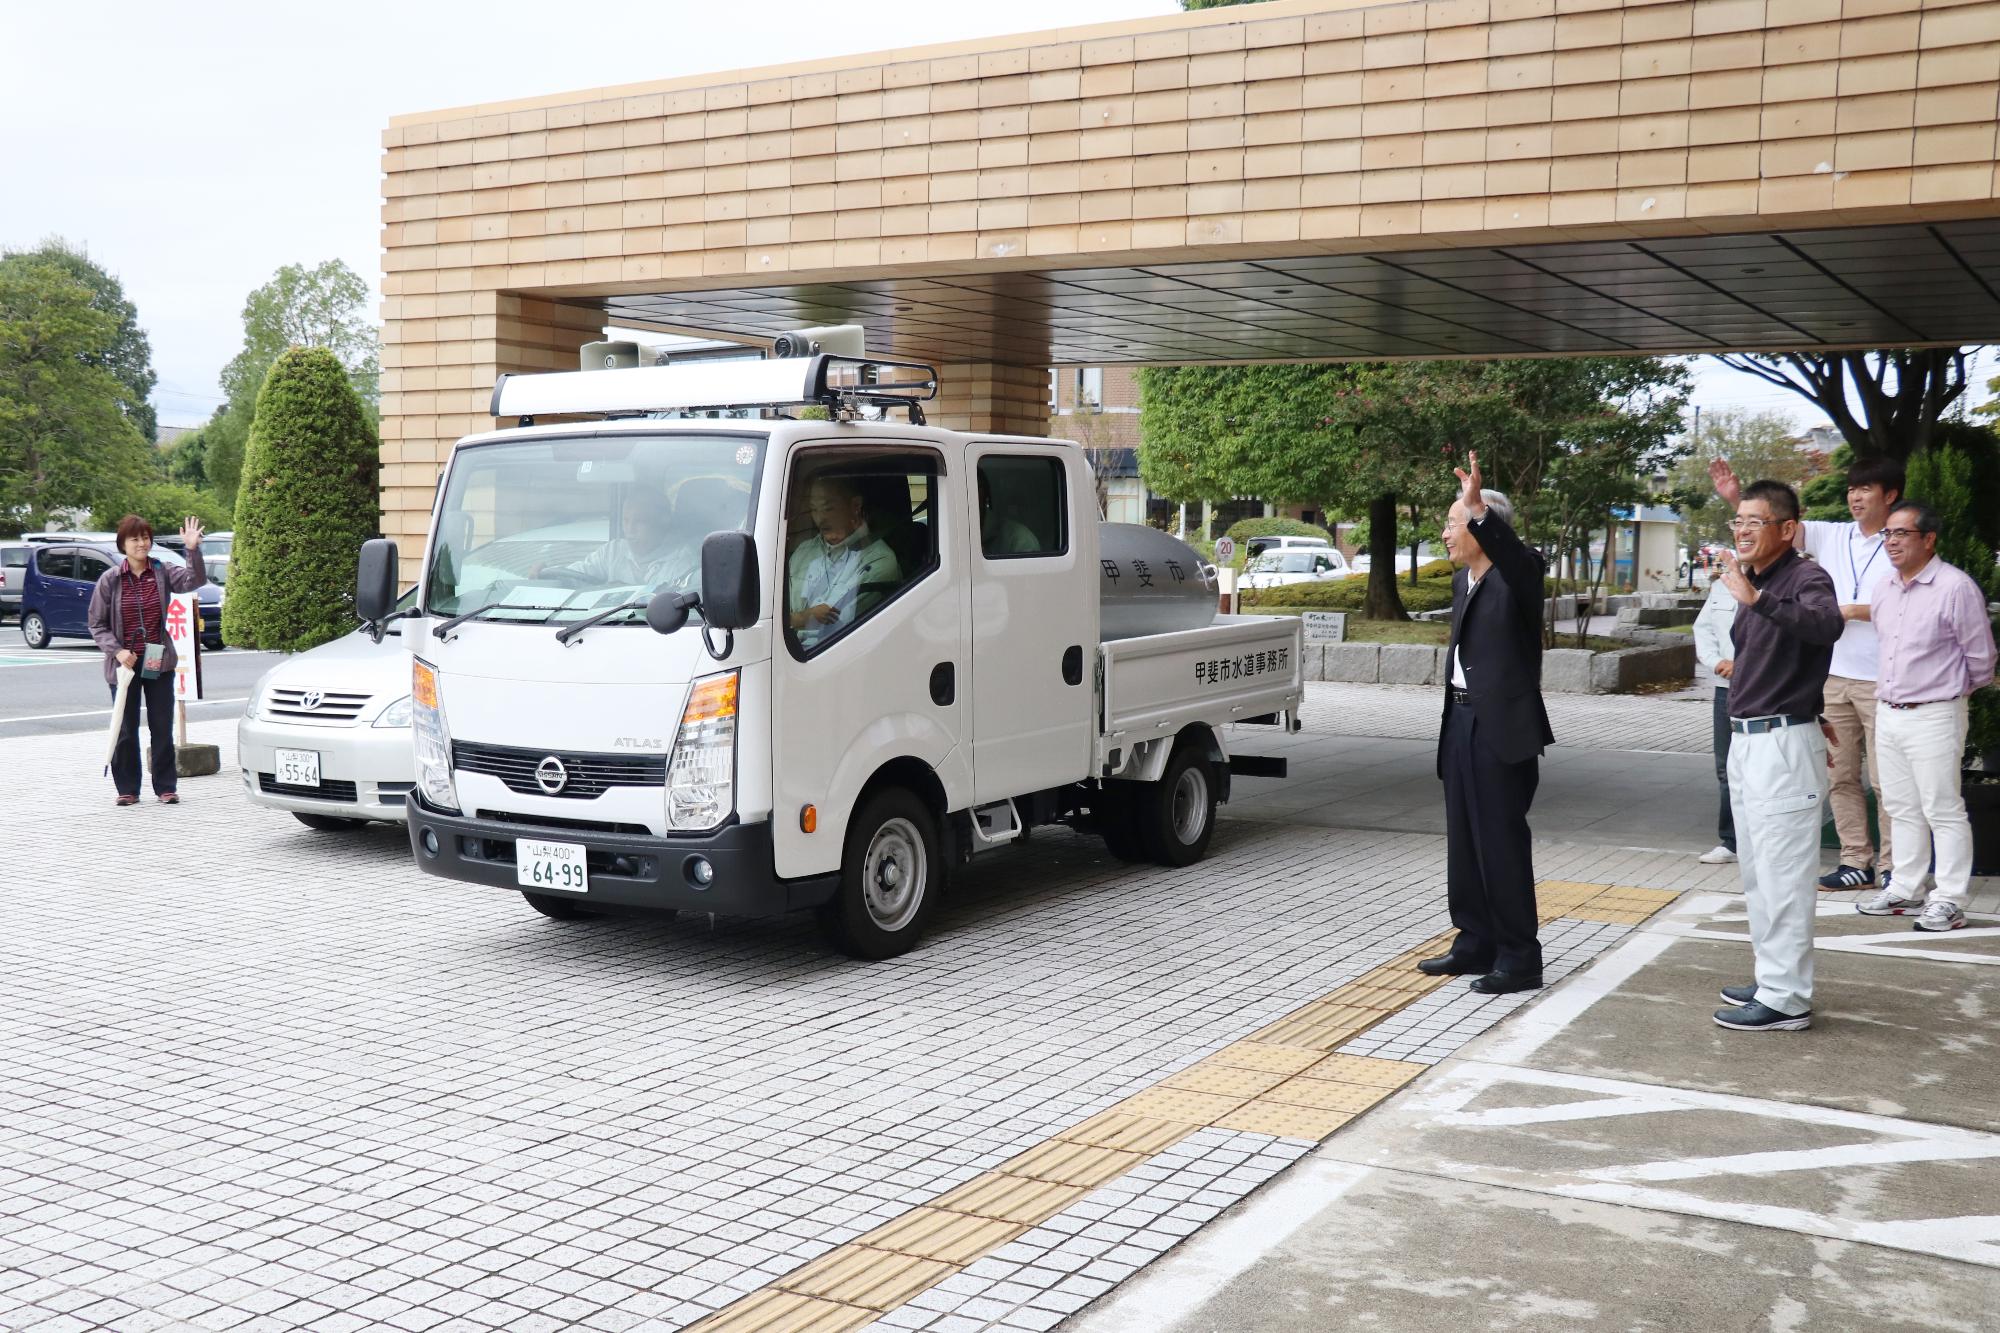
1850 709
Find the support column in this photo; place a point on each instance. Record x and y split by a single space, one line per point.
441 352
987 399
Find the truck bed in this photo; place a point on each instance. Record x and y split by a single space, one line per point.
1237 668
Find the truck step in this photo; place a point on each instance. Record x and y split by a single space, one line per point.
996 824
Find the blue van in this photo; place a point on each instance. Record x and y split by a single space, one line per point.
55 597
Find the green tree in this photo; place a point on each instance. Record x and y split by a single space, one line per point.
307 502
1757 444
1959 477
164 504
186 459
65 439
1884 404
325 306
129 354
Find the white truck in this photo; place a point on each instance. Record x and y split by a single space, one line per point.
751 664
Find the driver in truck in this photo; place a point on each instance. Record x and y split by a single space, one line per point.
644 555
839 571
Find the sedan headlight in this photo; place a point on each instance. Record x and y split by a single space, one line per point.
396 714
431 741
701 778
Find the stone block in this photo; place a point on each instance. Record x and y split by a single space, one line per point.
1356 663
197 761
1409 664
1566 670
1311 662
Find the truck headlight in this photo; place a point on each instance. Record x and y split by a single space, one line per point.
701 777
431 741
396 714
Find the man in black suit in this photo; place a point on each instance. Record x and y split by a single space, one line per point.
1490 742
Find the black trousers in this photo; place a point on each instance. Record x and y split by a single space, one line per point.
1489 861
159 695
1725 820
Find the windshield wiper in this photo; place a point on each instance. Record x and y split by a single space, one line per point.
568 632
457 620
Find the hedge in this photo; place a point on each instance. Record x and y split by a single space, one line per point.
1347 594
1243 529
306 503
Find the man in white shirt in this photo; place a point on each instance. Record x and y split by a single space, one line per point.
838 574
1716 657
1852 554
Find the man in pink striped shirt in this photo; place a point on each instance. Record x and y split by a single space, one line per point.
1937 648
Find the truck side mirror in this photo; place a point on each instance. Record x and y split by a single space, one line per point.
729 580
375 580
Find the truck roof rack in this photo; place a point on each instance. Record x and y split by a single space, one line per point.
841 384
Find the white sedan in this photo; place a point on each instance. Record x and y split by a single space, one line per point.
1277 568
326 734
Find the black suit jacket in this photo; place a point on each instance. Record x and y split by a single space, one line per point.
1496 629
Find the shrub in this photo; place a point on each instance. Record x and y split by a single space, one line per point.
1348 594
1959 476
306 502
1434 569
1243 529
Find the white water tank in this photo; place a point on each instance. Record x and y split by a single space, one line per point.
1149 583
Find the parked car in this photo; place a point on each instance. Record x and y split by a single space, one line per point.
1309 565
55 597
215 549
13 576
1260 545
326 734
1362 561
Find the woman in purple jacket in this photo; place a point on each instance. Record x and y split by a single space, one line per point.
127 613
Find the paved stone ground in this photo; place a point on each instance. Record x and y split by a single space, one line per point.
262 1078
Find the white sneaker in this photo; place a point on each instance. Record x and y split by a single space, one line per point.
1717 855
1940 915
1887 902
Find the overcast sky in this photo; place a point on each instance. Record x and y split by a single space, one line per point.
194 148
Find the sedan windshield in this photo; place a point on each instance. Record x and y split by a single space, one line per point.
1274 562
552 530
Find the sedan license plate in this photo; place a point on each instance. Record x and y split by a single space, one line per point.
551 865
298 768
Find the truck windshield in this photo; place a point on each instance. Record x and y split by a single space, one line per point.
553 530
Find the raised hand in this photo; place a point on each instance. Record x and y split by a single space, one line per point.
1470 484
1727 484
1737 581
191 533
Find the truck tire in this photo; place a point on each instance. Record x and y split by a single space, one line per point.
891 875
34 629
1175 817
327 823
1117 823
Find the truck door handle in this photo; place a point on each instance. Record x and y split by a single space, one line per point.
1072 665
944 686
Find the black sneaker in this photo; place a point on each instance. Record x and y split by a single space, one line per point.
1755 1017
1740 995
1846 877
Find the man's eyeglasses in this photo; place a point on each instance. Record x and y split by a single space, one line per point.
1902 534
1752 525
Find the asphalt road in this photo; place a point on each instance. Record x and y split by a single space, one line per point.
61 688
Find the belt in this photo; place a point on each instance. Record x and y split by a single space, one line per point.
1756 726
1458 696
1921 703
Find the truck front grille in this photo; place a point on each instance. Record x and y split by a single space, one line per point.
584 775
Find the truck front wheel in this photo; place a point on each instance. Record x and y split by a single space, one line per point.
891 874
1175 817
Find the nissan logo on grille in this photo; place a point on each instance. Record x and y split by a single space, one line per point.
551 776
311 699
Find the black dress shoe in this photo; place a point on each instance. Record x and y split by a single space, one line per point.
1506 983
1449 965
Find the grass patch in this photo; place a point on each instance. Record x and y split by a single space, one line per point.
1438 632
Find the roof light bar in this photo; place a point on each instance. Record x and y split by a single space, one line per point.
837 382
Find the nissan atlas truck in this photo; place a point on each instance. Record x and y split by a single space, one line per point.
679 649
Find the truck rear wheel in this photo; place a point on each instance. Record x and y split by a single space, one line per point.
891 874
1117 823
1175 817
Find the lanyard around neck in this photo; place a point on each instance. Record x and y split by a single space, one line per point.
1858 576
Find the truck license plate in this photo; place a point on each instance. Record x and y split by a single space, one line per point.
298 768
551 865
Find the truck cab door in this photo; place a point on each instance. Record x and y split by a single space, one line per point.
870 661
1031 616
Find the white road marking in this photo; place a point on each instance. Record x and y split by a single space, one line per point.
106 712
1160 1298
1903 942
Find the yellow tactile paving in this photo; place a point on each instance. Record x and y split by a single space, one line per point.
934 1233
866 1276
1069 1163
776 1311
1283 1080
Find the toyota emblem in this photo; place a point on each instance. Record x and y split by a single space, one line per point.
551 776
311 699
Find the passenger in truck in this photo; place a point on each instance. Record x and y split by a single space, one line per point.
836 575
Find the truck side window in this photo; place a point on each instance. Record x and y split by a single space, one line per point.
1022 506
860 529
